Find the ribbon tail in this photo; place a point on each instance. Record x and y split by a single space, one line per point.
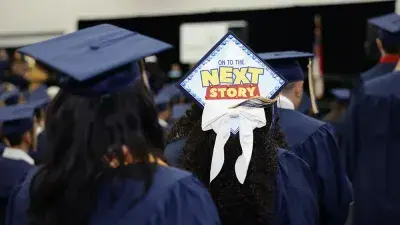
248 122
223 132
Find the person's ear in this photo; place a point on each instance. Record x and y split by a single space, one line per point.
28 138
379 44
143 72
298 89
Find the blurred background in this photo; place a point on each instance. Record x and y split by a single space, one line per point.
336 30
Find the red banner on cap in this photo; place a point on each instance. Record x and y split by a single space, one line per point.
241 91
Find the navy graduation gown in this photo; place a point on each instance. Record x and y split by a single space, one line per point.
314 141
296 197
176 197
378 70
372 151
12 172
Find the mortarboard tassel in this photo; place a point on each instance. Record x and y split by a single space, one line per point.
311 87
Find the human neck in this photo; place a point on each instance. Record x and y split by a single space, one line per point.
21 147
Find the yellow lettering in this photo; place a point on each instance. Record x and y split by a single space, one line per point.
242 92
208 78
251 91
241 76
255 73
213 93
222 92
225 74
231 92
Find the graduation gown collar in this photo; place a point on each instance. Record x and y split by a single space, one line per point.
285 103
389 59
162 123
17 154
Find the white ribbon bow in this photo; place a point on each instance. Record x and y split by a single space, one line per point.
219 119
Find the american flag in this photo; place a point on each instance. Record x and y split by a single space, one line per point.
317 63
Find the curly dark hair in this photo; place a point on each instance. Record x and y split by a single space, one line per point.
252 202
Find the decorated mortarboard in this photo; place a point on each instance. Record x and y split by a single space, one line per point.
389 27
101 59
233 85
16 119
286 63
179 111
341 94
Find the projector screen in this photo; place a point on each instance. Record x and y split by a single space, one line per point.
196 39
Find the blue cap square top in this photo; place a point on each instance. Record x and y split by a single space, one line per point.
389 27
231 74
99 59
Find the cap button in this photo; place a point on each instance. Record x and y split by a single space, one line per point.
94 47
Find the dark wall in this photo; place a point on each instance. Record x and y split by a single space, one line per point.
344 31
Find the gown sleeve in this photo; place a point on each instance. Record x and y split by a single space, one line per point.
19 201
173 151
190 203
175 197
296 199
321 152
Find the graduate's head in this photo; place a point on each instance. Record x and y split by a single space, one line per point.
287 64
388 40
232 133
40 96
18 126
103 106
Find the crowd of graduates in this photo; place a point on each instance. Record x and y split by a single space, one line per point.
94 132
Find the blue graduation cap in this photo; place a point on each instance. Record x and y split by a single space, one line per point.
39 97
286 64
162 101
99 59
170 90
341 94
16 119
9 94
179 110
389 27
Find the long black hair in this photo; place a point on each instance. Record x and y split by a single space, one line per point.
252 202
80 131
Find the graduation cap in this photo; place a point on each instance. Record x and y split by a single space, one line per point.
179 111
170 91
232 84
10 94
229 75
40 93
286 63
389 27
341 94
96 60
162 102
16 119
